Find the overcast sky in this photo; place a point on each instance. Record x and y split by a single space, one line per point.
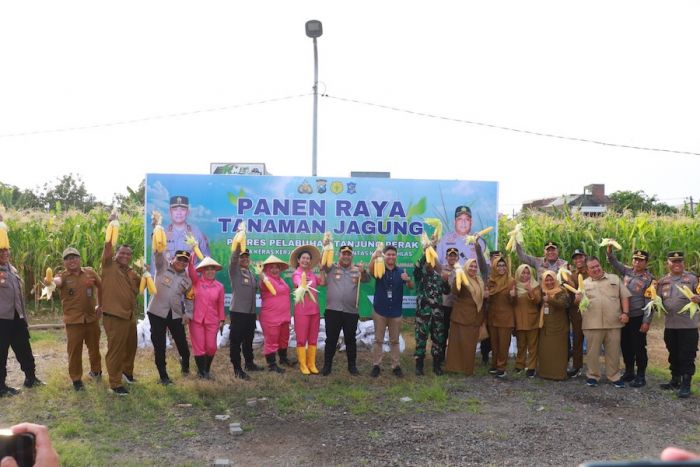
623 72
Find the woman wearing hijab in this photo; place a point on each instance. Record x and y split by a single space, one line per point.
307 314
552 348
501 317
208 316
465 320
527 295
274 312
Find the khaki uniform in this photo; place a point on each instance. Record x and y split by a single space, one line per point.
120 287
601 324
576 322
527 328
78 299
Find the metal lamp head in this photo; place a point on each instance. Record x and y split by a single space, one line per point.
314 28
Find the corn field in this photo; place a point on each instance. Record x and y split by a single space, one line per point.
656 234
38 238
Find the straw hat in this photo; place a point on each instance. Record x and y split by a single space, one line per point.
272 259
312 250
208 262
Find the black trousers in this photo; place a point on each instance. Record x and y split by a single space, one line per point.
15 334
335 321
446 313
634 346
242 333
682 346
177 330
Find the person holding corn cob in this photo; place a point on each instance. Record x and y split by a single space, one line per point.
274 312
430 320
634 334
467 318
14 329
606 314
550 261
576 269
501 316
79 287
527 296
117 303
243 287
552 355
208 316
171 309
388 306
680 294
342 296
307 314
456 238
448 275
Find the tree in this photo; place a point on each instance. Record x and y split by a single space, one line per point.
134 200
68 192
13 198
638 201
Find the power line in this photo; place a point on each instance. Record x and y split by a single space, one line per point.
505 128
151 118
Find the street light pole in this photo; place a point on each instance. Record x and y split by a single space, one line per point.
314 29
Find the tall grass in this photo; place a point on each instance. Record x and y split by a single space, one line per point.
656 234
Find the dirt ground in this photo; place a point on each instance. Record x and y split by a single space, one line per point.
515 421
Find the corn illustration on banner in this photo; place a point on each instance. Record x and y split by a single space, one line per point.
281 213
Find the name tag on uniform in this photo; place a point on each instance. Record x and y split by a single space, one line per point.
89 292
337 277
389 294
245 280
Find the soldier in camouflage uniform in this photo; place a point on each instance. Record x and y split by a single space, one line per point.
430 318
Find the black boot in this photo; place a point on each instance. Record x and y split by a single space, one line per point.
419 366
31 381
351 350
684 391
164 378
201 366
251 366
675 383
185 366
628 375
327 362
208 360
283 358
272 364
239 373
437 366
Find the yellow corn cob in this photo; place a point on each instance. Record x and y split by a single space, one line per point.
691 307
650 292
191 241
327 255
49 275
147 283
460 277
142 285
580 283
190 294
379 267
303 280
160 240
112 234
563 274
516 236
469 239
4 239
239 239
697 290
609 241
268 284
570 289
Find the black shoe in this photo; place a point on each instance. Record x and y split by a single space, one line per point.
7 391
165 381
272 363
128 379
185 366
674 383
33 382
639 381
500 373
684 391
353 370
628 376
530 373
375 371
120 391
253 367
437 367
282 353
326 370
573 372
240 374
78 385
493 371
397 372
419 366
200 362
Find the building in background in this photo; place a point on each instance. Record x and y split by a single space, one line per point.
592 202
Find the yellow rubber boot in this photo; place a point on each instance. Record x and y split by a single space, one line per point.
301 356
311 359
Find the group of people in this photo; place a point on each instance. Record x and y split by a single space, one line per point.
461 300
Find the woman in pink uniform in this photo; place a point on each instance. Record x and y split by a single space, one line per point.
274 312
307 314
208 315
